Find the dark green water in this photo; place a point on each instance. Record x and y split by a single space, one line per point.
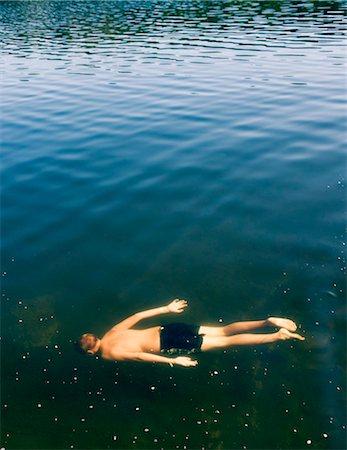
162 149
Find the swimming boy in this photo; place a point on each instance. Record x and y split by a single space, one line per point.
123 342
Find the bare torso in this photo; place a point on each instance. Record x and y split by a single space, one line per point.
130 341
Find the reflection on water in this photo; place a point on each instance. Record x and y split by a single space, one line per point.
111 19
154 30
155 149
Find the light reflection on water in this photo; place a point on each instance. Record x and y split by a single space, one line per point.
162 149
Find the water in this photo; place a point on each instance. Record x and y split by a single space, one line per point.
162 149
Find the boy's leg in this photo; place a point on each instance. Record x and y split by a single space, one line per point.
233 328
217 342
242 327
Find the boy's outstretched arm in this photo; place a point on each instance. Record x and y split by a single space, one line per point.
176 306
185 361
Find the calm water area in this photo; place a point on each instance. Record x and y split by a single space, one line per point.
162 149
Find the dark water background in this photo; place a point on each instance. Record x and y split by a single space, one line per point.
162 149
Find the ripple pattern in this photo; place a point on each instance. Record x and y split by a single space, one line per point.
155 149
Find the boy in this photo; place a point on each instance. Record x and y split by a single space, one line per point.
123 342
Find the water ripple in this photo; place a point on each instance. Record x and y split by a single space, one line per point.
152 149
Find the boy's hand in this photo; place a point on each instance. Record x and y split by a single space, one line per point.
185 361
177 306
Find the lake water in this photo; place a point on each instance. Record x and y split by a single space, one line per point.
162 149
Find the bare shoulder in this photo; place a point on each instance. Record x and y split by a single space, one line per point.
114 345
111 333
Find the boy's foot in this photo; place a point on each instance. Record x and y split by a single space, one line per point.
284 334
282 323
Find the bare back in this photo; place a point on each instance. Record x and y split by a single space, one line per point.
118 341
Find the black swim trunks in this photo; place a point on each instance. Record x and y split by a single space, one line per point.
177 338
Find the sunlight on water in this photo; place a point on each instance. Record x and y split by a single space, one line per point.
153 150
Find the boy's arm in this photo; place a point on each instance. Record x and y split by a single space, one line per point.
176 306
151 357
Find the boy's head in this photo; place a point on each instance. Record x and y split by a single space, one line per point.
86 343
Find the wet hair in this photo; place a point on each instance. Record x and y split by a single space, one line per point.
80 345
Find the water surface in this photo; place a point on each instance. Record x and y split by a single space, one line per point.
162 149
